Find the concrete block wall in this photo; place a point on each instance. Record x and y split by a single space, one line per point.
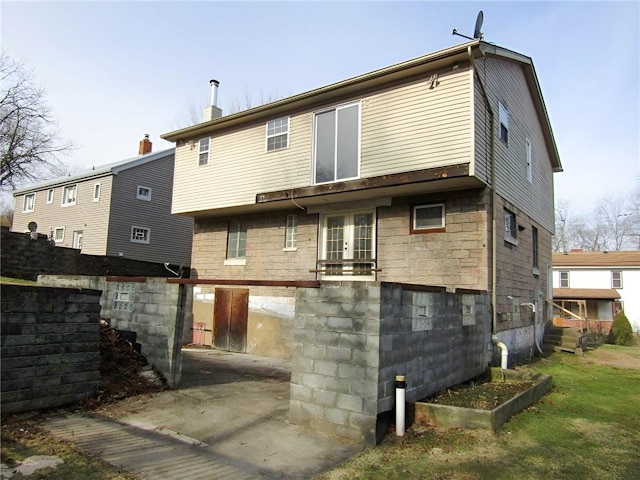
352 338
23 257
50 353
335 361
266 257
156 310
457 257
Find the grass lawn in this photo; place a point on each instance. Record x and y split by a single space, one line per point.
587 427
16 281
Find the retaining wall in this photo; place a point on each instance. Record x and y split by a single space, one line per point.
50 353
156 310
350 340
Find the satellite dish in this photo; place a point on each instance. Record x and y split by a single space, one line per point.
476 32
33 226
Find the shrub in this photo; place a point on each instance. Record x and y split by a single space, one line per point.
621 332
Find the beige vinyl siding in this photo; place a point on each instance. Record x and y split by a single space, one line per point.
86 215
507 84
171 235
403 128
482 135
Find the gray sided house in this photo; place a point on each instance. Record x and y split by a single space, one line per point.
121 209
397 222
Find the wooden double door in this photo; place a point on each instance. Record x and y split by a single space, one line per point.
230 318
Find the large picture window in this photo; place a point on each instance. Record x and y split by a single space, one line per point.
337 144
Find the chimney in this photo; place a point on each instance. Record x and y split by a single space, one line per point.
145 145
212 111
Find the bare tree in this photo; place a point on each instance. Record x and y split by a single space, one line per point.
561 239
30 142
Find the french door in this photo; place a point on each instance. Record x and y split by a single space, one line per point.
349 239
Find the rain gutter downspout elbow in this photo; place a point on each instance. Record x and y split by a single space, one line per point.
504 361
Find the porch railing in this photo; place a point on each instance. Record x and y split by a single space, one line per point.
346 266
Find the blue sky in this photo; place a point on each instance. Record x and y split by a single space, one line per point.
114 71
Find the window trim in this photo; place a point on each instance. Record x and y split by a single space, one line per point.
503 115
535 251
50 196
139 196
335 108
279 134
144 242
291 233
202 151
613 280
97 189
32 208
510 231
441 228
55 234
560 279
528 150
64 195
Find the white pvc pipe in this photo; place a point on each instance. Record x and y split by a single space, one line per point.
400 404
505 353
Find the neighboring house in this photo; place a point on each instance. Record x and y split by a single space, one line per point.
122 209
339 216
596 286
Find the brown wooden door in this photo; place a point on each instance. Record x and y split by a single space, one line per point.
230 314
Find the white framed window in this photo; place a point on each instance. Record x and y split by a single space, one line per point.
58 235
527 143
616 279
510 227
203 151
428 218
143 193
348 238
140 235
534 252
96 192
29 203
291 233
50 195
564 279
78 236
236 244
504 123
69 195
277 134
337 144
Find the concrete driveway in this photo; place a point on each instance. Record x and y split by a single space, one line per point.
235 407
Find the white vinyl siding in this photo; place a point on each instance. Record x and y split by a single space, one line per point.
404 128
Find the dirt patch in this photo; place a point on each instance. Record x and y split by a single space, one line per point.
479 394
628 357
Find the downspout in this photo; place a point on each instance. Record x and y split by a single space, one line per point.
494 248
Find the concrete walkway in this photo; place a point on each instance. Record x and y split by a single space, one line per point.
228 420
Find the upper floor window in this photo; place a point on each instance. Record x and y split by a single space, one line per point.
337 144
564 279
143 193
69 195
278 134
616 279
237 241
529 164
140 235
510 227
29 204
504 123
96 192
203 155
50 195
291 232
428 218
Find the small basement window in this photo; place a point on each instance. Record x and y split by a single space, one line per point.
428 218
